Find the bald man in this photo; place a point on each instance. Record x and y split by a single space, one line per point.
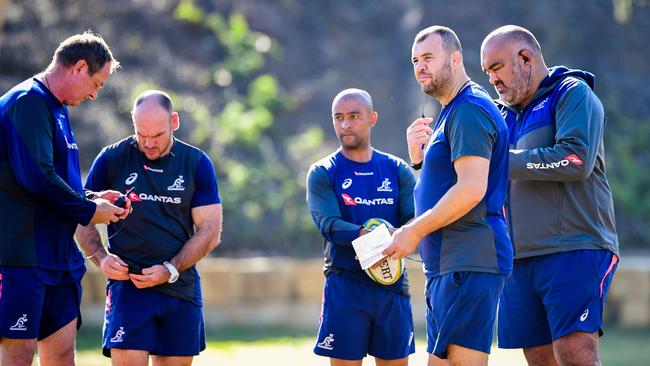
560 211
344 189
153 303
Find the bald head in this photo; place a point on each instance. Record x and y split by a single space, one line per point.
155 97
154 121
514 36
361 96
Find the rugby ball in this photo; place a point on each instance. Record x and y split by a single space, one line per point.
389 270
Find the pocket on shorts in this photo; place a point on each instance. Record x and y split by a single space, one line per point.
459 278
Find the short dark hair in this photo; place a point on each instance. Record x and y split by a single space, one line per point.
450 41
163 99
86 46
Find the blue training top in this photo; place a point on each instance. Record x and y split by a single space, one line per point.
164 192
41 194
342 194
470 125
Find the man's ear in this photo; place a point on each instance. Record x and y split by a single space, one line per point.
525 56
80 66
456 59
373 118
176 121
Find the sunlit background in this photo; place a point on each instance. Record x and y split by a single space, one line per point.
253 82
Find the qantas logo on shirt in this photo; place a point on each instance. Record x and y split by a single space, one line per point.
574 159
571 159
152 169
349 201
133 197
71 146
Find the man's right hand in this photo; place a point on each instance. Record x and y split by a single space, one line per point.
113 267
417 136
105 213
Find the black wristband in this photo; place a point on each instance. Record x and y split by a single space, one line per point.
90 195
417 166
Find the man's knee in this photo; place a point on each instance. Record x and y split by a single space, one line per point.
540 355
577 349
17 351
463 356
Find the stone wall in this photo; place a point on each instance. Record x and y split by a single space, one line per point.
287 292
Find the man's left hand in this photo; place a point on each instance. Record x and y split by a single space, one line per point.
151 276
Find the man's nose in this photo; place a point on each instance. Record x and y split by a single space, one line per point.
494 79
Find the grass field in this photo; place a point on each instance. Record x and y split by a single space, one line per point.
281 347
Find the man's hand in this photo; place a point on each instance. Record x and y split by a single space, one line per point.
112 196
113 267
151 276
405 241
106 212
418 135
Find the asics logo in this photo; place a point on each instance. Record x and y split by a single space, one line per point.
346 183
131 178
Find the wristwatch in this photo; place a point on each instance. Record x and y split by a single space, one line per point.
174 272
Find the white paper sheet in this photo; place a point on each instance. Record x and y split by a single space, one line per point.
369 247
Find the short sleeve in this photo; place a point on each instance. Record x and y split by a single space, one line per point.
471 132
98 176
207 189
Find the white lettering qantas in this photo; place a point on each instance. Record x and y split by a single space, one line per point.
156 198
349 201
571 159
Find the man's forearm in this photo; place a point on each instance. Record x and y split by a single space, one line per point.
91 243
198 246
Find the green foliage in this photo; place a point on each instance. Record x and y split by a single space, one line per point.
627 154
188 11
262 194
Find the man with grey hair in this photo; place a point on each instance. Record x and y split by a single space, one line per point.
153 302
560 207
43 201
459 198
354 184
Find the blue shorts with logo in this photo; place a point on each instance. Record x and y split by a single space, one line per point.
461 310
361 318
553 295
148 320
36 302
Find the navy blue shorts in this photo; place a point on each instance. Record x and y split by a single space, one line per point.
36 302
148 320
550 296
461 309
361 318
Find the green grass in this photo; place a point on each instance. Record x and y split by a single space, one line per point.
619 346
625 347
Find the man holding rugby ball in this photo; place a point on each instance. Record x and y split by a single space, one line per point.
344 190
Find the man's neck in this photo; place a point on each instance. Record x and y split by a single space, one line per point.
459 83
361 155
52 80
